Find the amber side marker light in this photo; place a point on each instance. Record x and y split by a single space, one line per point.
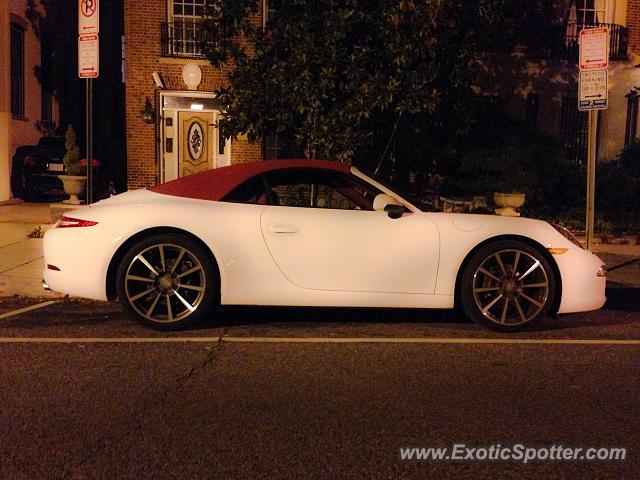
69 222
557 251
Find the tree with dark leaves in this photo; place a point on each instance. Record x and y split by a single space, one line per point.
339 78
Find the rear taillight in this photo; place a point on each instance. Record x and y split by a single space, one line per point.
68 222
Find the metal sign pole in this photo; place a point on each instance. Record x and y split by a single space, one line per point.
89 137
591 176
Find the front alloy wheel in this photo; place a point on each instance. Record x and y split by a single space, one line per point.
167 282
507 286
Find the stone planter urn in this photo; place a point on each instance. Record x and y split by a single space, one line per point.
507 203
74 185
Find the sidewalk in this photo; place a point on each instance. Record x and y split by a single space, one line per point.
21 261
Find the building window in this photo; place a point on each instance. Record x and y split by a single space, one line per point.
633 111
574 129
272 6
17 70
180 33
582 14
587 12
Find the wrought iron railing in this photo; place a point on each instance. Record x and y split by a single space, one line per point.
633 109
571 32
180 38
573 130
559 41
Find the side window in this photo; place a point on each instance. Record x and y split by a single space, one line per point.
317 188
252 191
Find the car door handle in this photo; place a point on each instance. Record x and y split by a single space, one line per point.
283 229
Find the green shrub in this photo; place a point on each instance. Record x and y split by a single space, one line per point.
521 159
618 186
71 159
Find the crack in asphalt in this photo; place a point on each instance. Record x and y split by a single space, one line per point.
134 424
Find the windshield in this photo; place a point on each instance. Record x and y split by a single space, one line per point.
411 197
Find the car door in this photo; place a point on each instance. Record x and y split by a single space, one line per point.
323 234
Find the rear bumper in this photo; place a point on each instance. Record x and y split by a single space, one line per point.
80 270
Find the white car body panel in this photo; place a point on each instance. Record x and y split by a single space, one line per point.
325 260
355 251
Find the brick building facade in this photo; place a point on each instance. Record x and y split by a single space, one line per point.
159 38
23 101
633 24
538 84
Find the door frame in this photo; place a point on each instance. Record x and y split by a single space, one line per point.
168 104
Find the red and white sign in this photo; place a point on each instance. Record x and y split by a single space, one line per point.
88 56
594 48
88 17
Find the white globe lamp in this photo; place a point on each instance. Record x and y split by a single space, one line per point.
192 76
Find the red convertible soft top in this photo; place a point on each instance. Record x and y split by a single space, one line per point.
216 183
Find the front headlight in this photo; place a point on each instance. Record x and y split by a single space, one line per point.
567 234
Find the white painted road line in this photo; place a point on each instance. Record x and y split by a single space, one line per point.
13 313
508 341
378 340
109 340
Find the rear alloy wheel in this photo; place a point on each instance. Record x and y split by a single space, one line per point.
508 286
167 282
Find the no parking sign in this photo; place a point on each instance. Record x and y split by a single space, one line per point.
88 17
88 41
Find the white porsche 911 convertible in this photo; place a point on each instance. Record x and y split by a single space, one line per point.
312 233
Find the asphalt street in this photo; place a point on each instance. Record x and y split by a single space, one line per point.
280 393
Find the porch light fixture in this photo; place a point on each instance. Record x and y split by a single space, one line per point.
148 115
197 106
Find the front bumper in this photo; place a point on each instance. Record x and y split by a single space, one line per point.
583 281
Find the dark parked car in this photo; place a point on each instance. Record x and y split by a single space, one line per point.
35 170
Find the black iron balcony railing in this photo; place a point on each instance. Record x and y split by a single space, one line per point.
571 32
559 41
180 38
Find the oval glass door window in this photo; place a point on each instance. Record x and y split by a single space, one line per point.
196 140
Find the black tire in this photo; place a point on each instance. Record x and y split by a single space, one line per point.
508 286
168 282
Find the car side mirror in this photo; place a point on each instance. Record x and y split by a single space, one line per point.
394 211
386 203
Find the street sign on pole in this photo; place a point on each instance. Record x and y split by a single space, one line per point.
594 48
593 92
88 17
592 96
89 68
88 56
